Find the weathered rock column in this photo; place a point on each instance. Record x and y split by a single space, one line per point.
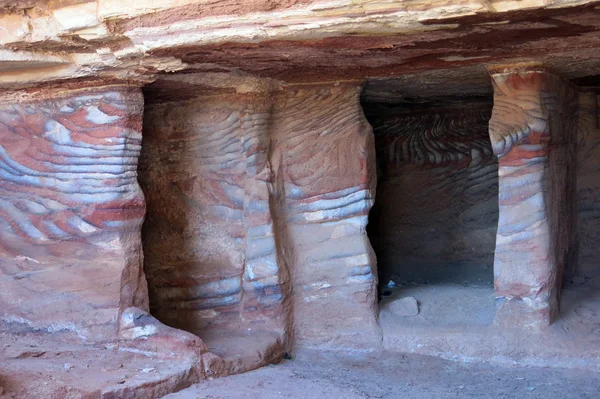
210 247
533 132
323 159
70 210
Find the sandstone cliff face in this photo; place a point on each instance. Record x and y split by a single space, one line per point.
258 168
210 248
294 40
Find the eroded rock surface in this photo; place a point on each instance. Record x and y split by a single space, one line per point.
259 172
71 211
209 239
294 40
210 246
533 130
588 186
251 195
436 212
323 159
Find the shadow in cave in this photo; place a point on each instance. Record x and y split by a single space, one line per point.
434 222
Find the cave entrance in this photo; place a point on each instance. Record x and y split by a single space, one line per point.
434 222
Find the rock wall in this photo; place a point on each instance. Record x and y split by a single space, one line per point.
533 131
257 208
70 210
436 212
588 185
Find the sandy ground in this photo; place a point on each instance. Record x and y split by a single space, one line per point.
338 376
456 321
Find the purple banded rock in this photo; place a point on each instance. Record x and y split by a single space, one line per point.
70 210
436 212
249 194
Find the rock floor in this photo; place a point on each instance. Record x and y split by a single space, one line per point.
453 321
332 376
32 367
457 322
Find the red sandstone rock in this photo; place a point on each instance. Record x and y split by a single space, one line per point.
301 41
533 131
210 247
250 194
323 158
436 212
139 331
71 211
259 192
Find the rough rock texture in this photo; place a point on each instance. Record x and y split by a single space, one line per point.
259 171
70 211
34 366
209 241
588 186
298 40
436 212
533 131
407 306
323 158
240 237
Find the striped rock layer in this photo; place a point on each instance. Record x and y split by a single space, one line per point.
210 250
294 40
70 211
533 131
323 157
436 212
249 195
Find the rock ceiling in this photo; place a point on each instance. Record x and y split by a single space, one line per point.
426 47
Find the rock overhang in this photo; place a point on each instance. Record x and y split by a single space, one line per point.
292 41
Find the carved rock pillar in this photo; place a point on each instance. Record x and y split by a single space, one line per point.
533 131
323 159
71 210
210 248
